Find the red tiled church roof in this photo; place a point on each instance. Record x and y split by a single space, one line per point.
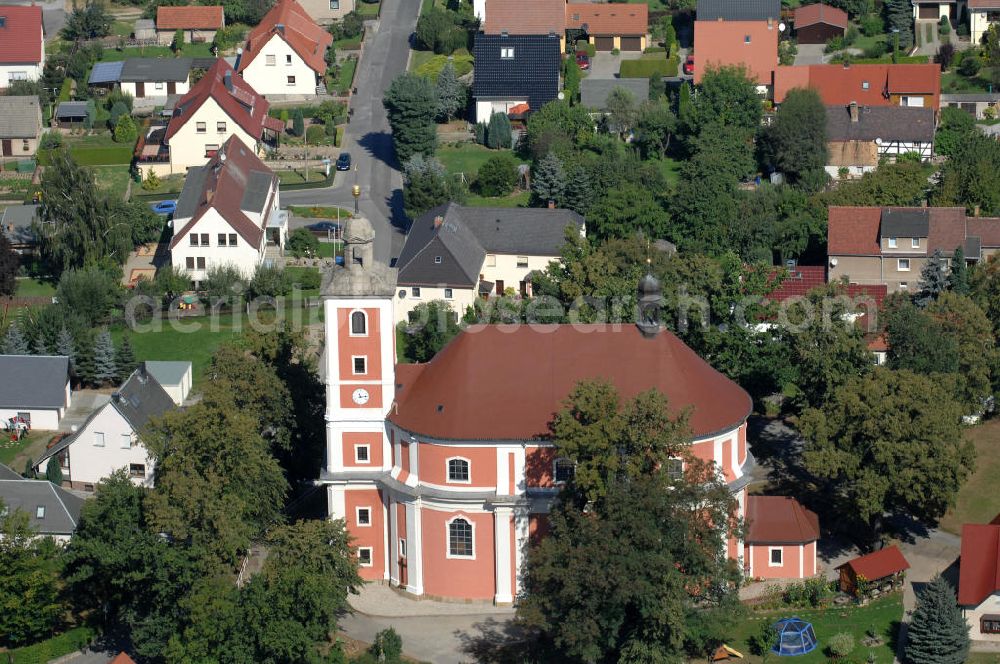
879 564
493 383
190 17
240 101
979 566
779 520
289 20
21 34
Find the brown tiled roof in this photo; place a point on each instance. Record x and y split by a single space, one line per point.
122 658
723 43
240 101
984 4
222 184
190 17
608 19
780 520
525 17
492 383
987 229
820 13
21 34
840 85
947 229
853 231
879 564
290 21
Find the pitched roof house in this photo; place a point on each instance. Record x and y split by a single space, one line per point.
286 52
149 80
15 224
227 213
513 70
52 511
867 84
525 17
35 389
22 43
979 578
871 245
197 22
610 26
220 105
110 438
738 32
982 14
459 253
885 565
859 137
817 23
20 125
781 538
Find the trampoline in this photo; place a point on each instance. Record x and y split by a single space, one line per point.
795 637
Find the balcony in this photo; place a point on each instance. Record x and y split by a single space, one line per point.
151 148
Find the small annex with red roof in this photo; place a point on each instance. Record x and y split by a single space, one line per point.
22 43
818 23
286 52
979 579
866 84
610 25
198 23
877 570
781 539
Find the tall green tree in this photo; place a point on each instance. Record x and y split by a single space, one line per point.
705 204
889 443
548 180
938 632
498 132
53 472
411 104
450 92
427 184
14 342
655 126
798 138
627 210
105 361
971 177
955 125
933 280
622 111
899 17
727 97
89 292
958 274
916 340
498 175
9 263
966 324
431 326
558 127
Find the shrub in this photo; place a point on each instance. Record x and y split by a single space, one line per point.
944 26
945 56
316 134
152 181
302 243
480 132
125 130
497 176
871 25
835 44
840 645
615 51
178 43
298 123
308 279
223 283
851 35
970 66
50 140
498 132
761 642
388 646
268 281
876 50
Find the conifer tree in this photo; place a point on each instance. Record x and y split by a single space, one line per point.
298 123
933 280
125 359
15 343
450 93
548 181
958 279
39 347
938 633
498 132
66 347
53 472
105 365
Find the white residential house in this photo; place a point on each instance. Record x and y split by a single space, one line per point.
286 53
227 214
458 254
173 377
51 510
34 389
329 11
22 43
110 438
982 14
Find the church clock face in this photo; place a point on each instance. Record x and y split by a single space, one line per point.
360 396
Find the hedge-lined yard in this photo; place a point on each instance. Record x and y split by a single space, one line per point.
431 67
649 65
94 156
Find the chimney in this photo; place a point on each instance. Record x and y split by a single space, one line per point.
116 396
975 211
227 80
770 23
847 65
438 221
853 108
552 205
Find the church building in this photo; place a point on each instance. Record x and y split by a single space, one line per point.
443 471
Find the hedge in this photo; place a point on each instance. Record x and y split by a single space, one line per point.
91 156
461 59
62 644
646 67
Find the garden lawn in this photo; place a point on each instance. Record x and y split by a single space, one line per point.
983 658
10 449
113 179
882 615
419 58
62 644
670 168
431 67
464 158
519 199
203 50
169 184
368 9
345 76
952 81
978 500
328 249
296 274
320 212
298 175
34 288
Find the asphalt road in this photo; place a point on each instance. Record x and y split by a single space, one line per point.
367 137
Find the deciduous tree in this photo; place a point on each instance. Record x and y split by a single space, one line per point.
498 175
955 125
431 326
628 210
798 138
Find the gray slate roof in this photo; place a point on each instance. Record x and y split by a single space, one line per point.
15 223
738 10
148 70
6 473
19 117
62 508
194 184
71 109
970 97
905 223
890 123
467 234
33 381
255 193
594 92
167 372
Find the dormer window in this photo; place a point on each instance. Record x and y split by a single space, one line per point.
437 260
746 39
865 85
40 512
507 52
915 243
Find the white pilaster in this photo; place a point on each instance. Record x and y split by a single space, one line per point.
393 539
414 549
503 470
802 553
336 501
385 534
502 543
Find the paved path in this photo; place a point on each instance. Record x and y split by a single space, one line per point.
367 137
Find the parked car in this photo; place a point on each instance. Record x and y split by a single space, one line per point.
164 207
344 161
324 228
689 65
582 60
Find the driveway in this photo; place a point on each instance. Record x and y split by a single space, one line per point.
810 54
367 136
604 65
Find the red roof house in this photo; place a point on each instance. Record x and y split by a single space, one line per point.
290 23
21 36
610 26
868 85
122 658
525 17
781 538
878 568
190 17
979 578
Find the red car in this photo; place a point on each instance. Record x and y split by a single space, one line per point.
689 65
582 60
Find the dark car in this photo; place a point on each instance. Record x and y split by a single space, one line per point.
324 228
582 60
344 162
689 65
164 207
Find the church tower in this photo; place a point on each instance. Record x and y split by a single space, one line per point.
359 375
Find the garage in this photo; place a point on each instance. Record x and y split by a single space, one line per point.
929 11
603 43
631 43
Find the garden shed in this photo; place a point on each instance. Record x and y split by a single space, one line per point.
877 571
70 113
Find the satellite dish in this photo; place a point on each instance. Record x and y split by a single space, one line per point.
562 95
878 141
781 27
833 262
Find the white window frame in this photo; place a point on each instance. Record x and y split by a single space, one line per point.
507 52
521 261
334 4
865 85
99 440
40 514
354 367
555 465
270 60
770 559
904 285
899 264
159 85
438 260
357 516
402 547
491 260
134 474
201 127
447 470
125 438
358 446
892 243
447 537
350 323
371 556
915 243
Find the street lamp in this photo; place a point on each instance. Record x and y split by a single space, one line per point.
356 192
